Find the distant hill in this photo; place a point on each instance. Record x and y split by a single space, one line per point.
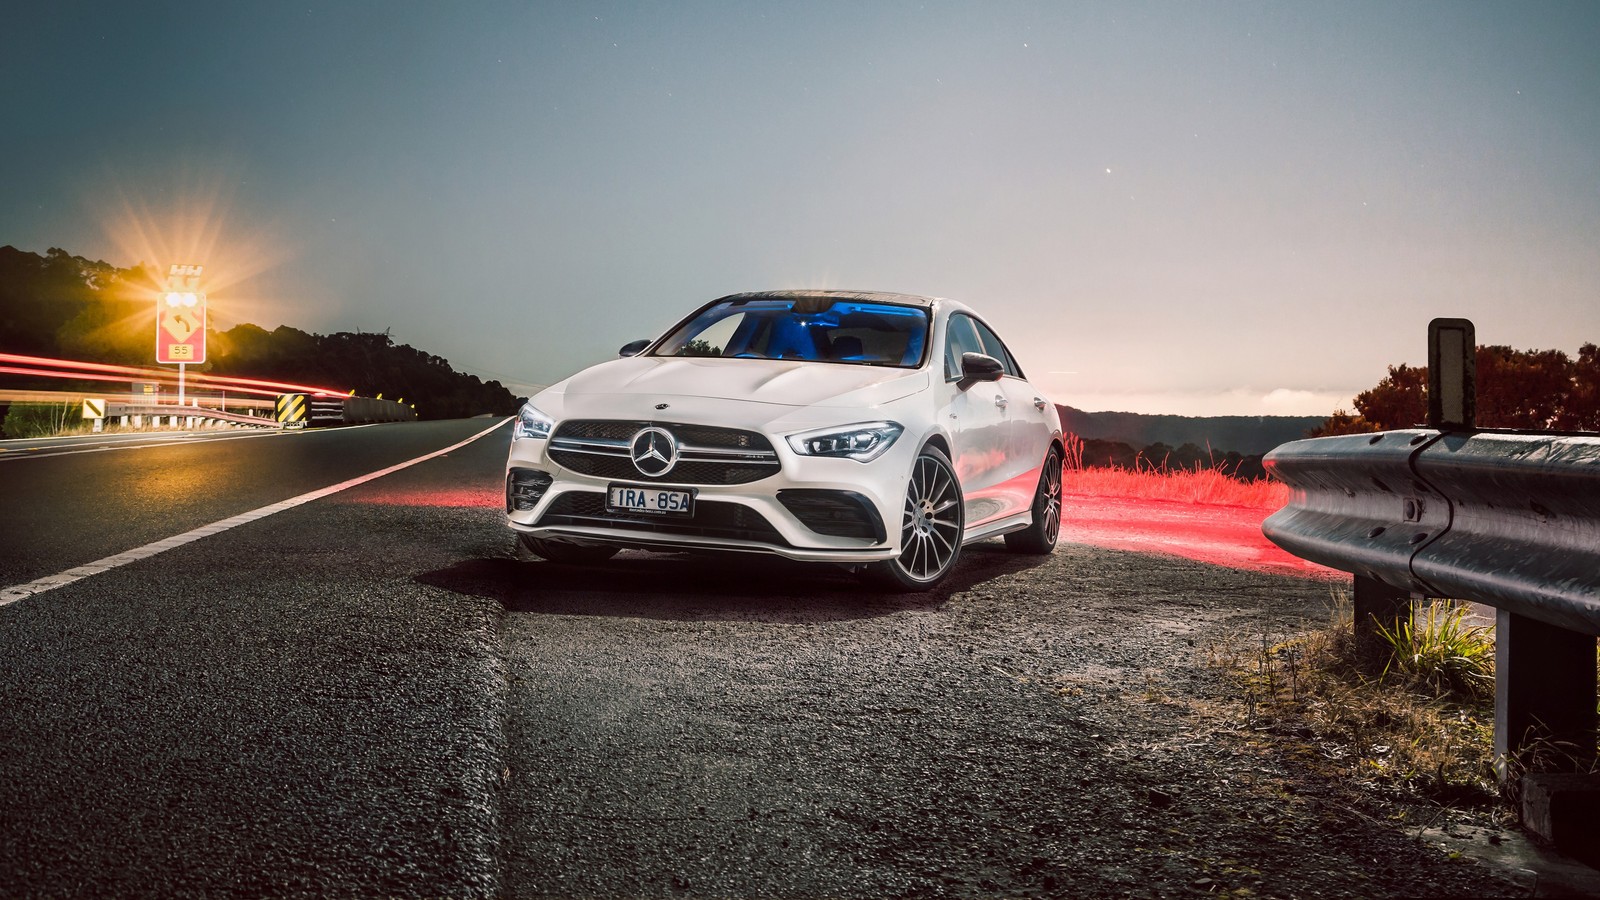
1248 435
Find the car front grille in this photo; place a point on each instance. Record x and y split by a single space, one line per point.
707 455
711 519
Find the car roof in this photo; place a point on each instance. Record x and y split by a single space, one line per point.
858 296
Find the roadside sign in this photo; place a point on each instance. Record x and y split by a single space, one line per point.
94 409
181 318
291 410
181 333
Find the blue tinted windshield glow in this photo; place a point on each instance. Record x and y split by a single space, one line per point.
850 332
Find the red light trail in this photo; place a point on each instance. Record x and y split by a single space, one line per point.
91 371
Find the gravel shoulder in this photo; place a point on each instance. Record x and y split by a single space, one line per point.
1043 727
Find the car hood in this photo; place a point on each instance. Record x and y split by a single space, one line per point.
786 383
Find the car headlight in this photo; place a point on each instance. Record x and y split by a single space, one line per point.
531 423
864 442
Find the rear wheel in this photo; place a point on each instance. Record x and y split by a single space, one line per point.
1040 537
569 553
930 527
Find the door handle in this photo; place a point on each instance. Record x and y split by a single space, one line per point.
1000 402
1039 404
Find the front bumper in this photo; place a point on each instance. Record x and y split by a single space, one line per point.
789 513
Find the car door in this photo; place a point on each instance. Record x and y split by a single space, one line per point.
1031 424
980 435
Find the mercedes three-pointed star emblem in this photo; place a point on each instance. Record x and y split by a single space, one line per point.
654 451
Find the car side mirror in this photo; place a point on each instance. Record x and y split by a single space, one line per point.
976 367
633 348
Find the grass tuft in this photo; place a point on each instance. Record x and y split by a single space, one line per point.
1440 653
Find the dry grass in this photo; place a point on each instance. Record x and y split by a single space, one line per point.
1153 480
1396 733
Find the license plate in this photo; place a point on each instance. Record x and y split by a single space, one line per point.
656 501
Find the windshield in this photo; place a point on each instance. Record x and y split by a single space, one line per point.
808 328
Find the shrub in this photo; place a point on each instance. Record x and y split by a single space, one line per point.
26 420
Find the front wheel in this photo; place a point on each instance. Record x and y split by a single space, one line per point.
930 527
569 553
1040 537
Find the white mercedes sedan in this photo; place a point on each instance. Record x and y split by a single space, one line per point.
873 430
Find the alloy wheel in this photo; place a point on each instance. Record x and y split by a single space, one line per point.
930 530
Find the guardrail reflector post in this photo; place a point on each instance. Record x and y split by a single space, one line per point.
1544 687
95 410
1376 603
1452 374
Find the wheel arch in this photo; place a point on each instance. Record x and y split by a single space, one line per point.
939 440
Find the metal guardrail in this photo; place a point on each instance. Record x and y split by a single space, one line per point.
296 410
1510 520
315 410
1524 534
152 410
359 410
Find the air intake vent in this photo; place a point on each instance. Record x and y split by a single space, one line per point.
836 513
524 487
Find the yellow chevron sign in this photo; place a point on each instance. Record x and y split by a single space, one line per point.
291 410
94 409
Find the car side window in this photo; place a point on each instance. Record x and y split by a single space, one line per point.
995 348
960 337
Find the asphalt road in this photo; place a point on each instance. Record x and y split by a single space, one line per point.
377 694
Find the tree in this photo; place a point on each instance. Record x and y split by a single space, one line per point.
1582 409
39 295
1400 400
370 363
1342 422
1521 389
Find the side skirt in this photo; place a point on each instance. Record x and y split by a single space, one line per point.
998 527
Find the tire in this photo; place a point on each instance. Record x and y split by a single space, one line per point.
931 527
1040 537
568 553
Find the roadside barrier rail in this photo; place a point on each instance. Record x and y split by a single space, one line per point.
1524 531
168 410
301 410
1509 520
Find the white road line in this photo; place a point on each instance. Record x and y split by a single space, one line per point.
51 582
189 439
9 455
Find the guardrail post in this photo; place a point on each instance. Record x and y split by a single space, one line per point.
1544 687
1544 706
1376 603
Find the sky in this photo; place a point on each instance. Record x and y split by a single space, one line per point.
1207 208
